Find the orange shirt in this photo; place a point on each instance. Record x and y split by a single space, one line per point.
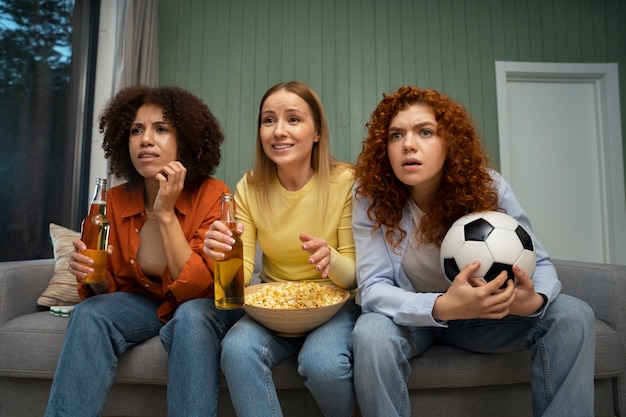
195 210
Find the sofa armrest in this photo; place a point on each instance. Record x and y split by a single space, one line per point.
21 284
602 286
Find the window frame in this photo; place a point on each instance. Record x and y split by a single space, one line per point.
81 108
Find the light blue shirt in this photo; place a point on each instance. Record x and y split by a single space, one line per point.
383 286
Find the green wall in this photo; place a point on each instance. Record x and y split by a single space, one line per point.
352 51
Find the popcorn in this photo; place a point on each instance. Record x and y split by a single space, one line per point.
294 295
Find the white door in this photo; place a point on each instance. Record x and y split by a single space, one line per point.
561 150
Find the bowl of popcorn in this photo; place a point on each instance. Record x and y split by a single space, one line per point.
293 309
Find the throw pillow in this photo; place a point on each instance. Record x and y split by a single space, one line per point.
62 289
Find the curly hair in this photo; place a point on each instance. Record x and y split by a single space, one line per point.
198 132
466 185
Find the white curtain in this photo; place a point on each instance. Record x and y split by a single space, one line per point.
137 60
131 57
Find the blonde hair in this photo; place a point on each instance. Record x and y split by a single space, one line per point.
322 161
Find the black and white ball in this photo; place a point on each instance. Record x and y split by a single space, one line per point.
496 239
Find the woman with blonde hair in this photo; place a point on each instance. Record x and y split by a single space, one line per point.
297 205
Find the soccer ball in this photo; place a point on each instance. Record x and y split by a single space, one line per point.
496 239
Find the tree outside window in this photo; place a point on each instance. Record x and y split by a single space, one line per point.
37 146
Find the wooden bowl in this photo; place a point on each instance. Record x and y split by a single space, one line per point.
293 322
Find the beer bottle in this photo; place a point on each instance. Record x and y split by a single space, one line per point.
95 233
228 274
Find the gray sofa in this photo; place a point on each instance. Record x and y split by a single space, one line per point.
445 381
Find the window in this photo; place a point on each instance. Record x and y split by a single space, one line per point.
47 50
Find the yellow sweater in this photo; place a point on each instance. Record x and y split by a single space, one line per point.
294 212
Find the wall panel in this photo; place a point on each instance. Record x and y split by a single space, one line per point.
352 51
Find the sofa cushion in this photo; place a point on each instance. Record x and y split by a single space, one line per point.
610 353
31 345
62 289
449 367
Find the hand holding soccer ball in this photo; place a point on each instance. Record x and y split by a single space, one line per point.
496 239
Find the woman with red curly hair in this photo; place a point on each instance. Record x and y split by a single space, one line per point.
422 167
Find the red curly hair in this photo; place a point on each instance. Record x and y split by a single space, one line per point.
466 185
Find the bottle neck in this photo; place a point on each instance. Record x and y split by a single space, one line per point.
98 208
99 199
228 211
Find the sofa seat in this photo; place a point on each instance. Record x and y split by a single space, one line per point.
444 381
31 345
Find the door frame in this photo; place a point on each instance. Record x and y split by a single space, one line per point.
604 79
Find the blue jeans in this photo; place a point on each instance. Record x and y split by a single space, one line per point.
561 346
250 351
103 327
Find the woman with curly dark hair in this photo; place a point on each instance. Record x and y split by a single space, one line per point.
165 143
198 132
421 168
